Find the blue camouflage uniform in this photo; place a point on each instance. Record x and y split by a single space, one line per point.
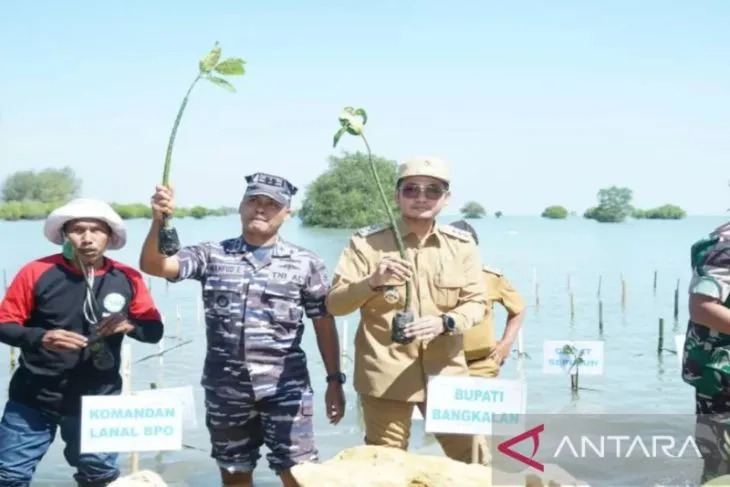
257 386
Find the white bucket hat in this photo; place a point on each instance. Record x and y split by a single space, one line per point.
85 208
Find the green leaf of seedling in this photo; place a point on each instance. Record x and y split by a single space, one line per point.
338 136
210 59
221 82
231 66
360 112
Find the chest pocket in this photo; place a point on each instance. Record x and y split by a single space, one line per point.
446 288
222 299
283 302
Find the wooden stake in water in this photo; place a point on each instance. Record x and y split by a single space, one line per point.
676 301
623 293
160 349
572 306
474 449
600 316
600 282
520 356
127 389
654 286
660 344
567 284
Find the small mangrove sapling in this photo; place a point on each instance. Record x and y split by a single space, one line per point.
209 67
577 361
352 121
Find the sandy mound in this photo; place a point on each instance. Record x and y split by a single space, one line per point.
377 466
143 478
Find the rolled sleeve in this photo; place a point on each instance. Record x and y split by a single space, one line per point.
711 272
509 297
472 297
193 262
314 293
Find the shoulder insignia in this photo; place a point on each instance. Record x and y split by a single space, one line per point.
492 270
456 232
371 229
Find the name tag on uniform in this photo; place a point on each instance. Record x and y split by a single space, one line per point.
219 269
281 276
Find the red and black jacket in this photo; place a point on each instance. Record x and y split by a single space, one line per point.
48 294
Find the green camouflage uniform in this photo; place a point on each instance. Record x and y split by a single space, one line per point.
706 361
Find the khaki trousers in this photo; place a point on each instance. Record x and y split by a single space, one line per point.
388 423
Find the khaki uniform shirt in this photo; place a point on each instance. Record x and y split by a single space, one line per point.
480 340
447 279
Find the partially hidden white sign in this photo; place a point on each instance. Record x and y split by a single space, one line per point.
565 356
184 394
127 423
475 405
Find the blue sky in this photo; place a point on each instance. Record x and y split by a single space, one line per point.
532 102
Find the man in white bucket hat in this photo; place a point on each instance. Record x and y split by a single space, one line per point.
68 313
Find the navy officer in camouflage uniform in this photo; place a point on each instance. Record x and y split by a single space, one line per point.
256 290
706 361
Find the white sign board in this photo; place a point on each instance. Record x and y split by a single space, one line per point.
679 346
475 405
557 361
186 397
127 423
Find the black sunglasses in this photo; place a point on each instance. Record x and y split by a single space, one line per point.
432 191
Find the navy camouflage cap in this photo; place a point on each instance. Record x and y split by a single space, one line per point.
275 187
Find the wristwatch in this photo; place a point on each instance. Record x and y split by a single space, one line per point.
449 324
337 376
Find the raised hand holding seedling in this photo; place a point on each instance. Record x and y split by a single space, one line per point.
210 68
352 121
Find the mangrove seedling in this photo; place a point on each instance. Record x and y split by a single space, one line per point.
571 351
209 68
352 121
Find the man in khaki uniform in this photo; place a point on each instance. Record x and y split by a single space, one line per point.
448 297
484 354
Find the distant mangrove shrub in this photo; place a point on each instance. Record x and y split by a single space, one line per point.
555 212
664 212
345 196
131 211
25 210
30 195
472 209
614 205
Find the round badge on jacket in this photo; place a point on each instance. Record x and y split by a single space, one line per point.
114 302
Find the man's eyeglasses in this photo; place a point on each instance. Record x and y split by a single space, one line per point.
413 191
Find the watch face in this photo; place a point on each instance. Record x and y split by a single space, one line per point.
448 323
339 377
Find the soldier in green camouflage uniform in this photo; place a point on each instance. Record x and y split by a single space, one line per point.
706 361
